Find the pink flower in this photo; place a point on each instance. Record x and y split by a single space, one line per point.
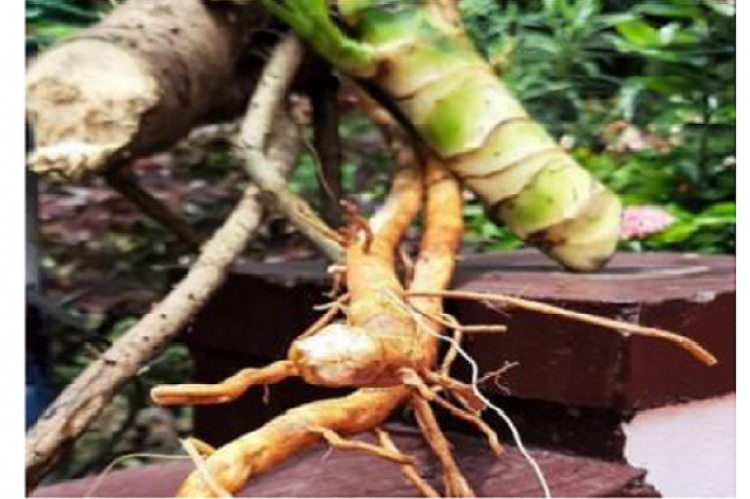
639 222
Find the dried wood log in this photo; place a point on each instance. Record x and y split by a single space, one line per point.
139 80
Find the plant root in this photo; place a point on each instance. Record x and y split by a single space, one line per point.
451 323
204 449
356 225
409 470
452 353
333 355
496 374
390 332
455 482
200 465
337 442
462 391
339 277
233 464
623 328
226 391
324 320
413 380
427 328
473 419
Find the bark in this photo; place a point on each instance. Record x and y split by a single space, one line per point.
138 81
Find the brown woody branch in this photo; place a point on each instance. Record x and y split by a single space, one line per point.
251 148
84 399
121 179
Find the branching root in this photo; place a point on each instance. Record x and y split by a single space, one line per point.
386 345
624 328
226 391
409 470
456 484
340 443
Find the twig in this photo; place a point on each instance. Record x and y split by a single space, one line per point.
122 180
84 399
251 147
106 452
624 328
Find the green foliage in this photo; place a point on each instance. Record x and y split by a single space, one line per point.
365 169
709 231
485 235
554 53
660 73
687 84
49 20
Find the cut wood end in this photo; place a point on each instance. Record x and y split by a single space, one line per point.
71 160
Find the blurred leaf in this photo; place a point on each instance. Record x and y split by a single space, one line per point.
725 8
676 233
666 84
52 31
669 10
639 33
726 211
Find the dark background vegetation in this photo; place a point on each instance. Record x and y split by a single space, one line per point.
642 92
